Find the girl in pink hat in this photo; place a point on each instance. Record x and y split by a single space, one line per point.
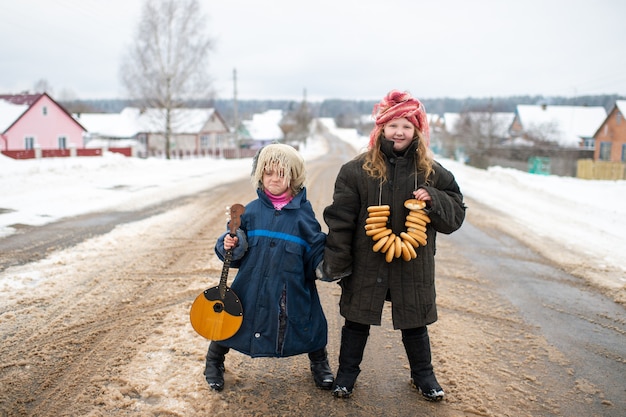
388 205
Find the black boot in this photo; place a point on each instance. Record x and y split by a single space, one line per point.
322 374
417 345
353 343
214 369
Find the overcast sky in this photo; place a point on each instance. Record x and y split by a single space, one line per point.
348 49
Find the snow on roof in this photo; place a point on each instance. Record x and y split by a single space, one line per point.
621 106
265 126
113 125
183 120
565 125
9 113
450 121
132 120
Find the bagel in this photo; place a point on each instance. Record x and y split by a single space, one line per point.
414 219
420 237
385 207
398 247
378 246
374 232
415 232
375 226
413 225
420 214
420 227
390 241
413 204
382 234
411 250
377 219
406 255
414 243
420 232
390 253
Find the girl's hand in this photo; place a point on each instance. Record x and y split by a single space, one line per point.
230 242
422 194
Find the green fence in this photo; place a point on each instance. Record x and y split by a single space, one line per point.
539 165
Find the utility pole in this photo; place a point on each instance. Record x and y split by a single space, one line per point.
235 115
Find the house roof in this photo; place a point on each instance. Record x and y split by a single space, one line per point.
265 126
620 105
25 101
183 120
9 113
133 120
565 125
113 125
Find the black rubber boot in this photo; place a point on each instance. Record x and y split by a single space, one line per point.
353 343
417 345
214 369
322 374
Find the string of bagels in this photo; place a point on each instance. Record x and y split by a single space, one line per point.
392 245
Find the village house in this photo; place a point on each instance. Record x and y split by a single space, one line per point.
263 129
194 131
610 138
562 126
459 134
35 124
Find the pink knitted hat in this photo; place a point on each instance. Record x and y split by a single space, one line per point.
395 105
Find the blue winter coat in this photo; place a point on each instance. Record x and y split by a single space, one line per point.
282 313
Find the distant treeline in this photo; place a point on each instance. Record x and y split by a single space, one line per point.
349 109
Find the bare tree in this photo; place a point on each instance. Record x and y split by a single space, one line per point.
544 134
168 62
43 86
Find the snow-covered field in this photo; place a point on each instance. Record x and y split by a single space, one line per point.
579 223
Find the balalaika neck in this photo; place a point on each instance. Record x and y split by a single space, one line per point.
224 278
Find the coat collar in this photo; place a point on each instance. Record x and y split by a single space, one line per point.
386 147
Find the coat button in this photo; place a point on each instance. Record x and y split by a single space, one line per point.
257 335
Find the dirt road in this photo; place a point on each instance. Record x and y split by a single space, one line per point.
102 329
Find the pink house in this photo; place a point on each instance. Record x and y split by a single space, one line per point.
30 121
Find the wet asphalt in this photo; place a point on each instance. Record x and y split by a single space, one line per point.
588 327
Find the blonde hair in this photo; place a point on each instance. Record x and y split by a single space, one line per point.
283 157
374 163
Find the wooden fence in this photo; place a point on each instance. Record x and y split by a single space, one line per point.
63 153
589 169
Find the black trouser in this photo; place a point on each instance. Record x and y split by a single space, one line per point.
354 338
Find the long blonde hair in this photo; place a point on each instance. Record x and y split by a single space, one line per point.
374 163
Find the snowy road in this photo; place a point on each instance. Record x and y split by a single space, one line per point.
101 329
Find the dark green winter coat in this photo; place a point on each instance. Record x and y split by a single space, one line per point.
367 280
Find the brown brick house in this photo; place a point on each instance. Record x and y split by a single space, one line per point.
610 138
